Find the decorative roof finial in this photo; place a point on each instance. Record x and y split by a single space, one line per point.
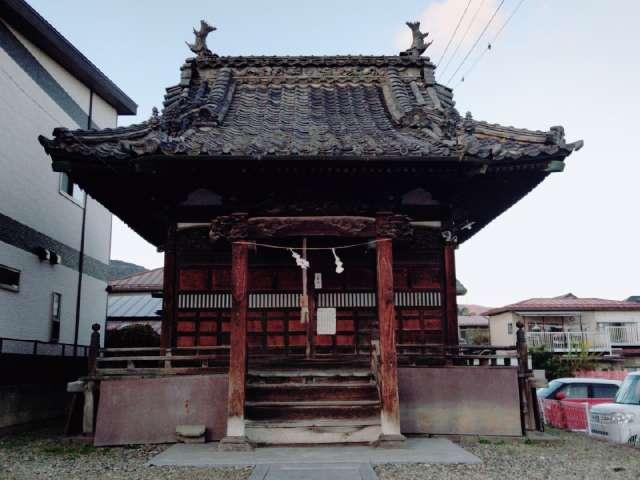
199 47
155 116
418 46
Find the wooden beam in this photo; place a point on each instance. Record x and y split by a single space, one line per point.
170 289
235 438
322 226
390 414
450 295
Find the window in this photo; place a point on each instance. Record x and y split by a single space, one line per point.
576 390
71 190
603 390
56 308
9 278
510 328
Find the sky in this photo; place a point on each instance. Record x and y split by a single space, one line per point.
556 62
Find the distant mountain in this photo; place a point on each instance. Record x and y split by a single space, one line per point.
119 269
470 309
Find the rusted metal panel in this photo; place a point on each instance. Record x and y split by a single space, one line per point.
460 400
147 410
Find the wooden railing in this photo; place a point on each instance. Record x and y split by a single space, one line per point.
463 355
154 360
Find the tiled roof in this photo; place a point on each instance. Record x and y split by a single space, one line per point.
341 106
117 324
566 303
139 282
141 305
473 321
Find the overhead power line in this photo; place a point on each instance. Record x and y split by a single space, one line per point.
454 32
464 36
475 44
490 44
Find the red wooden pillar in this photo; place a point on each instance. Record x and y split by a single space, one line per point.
169 288
390 414
450 294
235 438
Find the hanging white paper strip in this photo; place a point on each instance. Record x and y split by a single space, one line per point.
326 321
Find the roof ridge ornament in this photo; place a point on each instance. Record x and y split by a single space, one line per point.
199 47
418 45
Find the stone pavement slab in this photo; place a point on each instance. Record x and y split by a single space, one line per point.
416 450
314 471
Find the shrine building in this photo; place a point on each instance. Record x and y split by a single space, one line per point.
309 209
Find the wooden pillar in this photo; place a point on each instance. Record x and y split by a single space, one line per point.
235 438
390 414
169 289
529 414
450 298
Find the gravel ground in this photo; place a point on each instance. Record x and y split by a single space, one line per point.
45 455
576 456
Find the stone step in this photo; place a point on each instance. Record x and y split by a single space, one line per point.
328 409
290 435
309 376
315 422
305 392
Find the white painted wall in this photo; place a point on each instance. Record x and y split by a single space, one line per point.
29 193
26 314
499 330
611 317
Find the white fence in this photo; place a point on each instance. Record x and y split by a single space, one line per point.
573 342
570 342
624 336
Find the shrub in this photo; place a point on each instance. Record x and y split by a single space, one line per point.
132 336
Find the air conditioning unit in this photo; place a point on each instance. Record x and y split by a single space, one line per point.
43 253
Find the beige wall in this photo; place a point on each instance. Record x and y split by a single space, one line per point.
622 317
499 330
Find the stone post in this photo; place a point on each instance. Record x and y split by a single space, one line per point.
94 349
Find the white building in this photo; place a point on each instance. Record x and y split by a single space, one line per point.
568 323
54 242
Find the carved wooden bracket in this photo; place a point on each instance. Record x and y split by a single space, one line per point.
393 226
230 227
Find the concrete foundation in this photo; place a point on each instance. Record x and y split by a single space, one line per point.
21 405
148 410
459 400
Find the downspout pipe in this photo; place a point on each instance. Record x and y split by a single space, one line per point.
82 237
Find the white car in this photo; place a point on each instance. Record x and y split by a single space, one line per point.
620 421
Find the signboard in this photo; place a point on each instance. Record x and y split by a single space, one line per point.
326 321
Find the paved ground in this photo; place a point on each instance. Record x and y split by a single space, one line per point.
45 455
314 471
417 450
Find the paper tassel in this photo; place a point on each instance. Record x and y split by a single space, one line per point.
301 262
339 265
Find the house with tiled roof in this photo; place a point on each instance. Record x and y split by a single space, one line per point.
135 300
558 323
